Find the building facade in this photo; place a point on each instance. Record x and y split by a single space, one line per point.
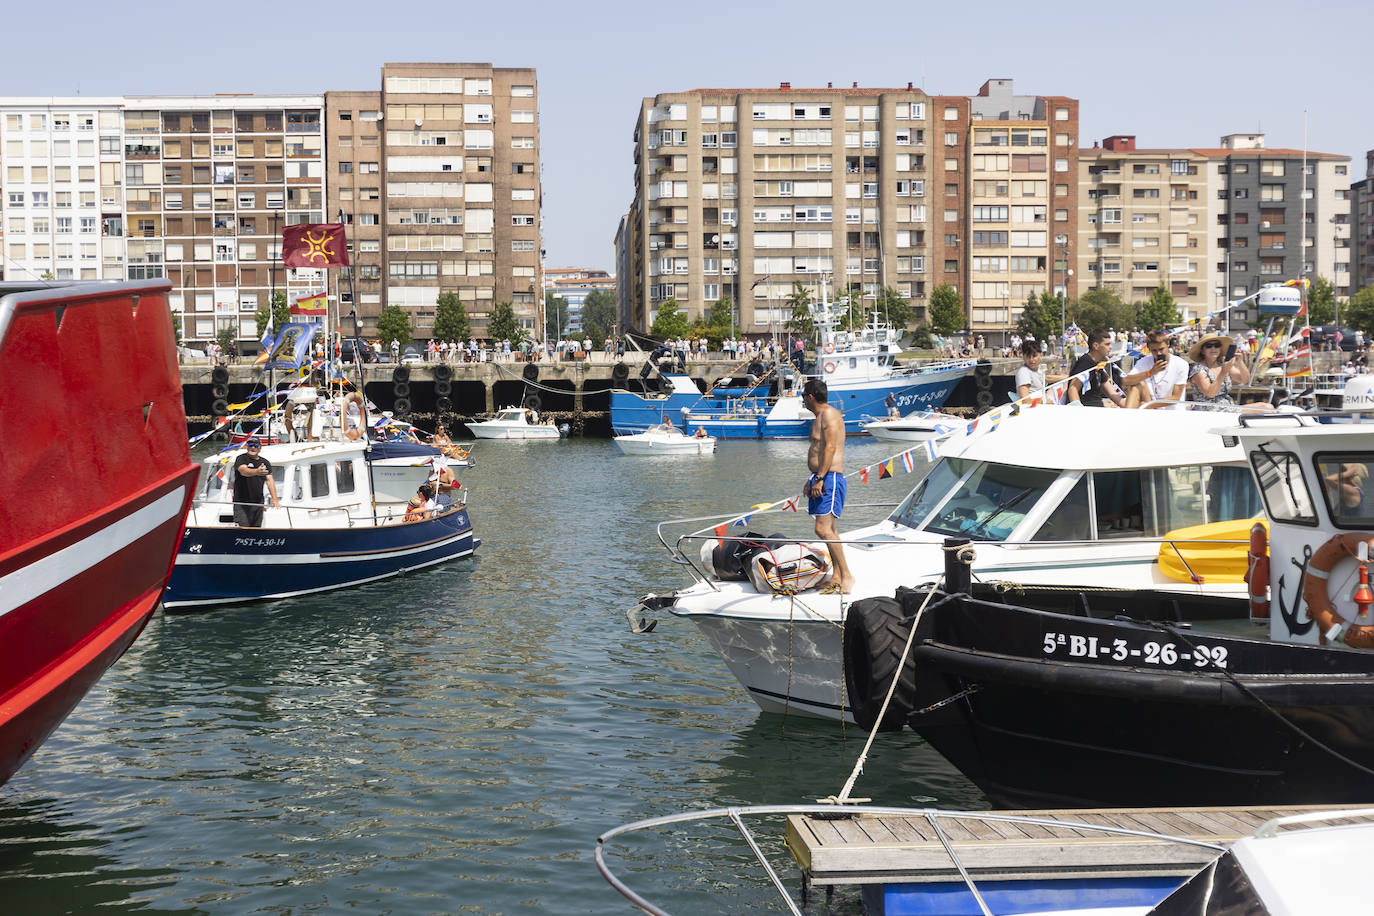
572 285
1362 228
436 175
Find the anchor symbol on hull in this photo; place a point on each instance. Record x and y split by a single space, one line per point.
1290 618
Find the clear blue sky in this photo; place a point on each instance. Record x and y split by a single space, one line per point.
1172 73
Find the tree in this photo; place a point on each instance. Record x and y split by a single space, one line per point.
176 326
227 340
1040 316
946 310
503 325
669 322
800 301
393 324
1160 311
599 312
451 319
1321 301
1101 307
555 315
281 313
1359 312
895 307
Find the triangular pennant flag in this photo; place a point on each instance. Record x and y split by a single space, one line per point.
908 462
863 475
885 469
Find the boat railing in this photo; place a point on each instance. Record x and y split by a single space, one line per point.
939 820
301 515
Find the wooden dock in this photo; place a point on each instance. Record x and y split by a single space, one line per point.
867 849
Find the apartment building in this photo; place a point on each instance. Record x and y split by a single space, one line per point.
746 192
1362 228
572 285
436 174
1285 213
1147 219
438 170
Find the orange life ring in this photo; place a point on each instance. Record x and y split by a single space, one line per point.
830 365
1315 594
351 431
830 346
1257 572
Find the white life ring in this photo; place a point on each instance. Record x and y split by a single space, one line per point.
830 365
830 346
351 431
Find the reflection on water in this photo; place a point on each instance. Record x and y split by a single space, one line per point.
452 741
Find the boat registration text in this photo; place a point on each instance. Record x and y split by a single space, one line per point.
1168 655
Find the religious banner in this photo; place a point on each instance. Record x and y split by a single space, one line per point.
314 245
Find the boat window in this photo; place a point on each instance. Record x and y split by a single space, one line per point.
1120 512
278 476
319 480
214 483
1231 494
1070 521
343 477
1181 497
939 480
1344 479
1286 496
297 489
992 501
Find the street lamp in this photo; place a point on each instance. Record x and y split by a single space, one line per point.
1063 242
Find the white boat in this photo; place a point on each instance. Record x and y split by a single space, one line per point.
515 423
665 439
915 427
1055 496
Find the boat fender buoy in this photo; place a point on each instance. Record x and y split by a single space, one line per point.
830 365
830 346
1316 596
1257 572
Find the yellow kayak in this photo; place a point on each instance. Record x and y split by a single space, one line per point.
1215 552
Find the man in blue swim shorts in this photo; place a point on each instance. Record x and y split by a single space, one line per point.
825 488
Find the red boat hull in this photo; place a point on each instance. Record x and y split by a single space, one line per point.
96 482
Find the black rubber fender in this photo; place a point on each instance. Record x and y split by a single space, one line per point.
875 634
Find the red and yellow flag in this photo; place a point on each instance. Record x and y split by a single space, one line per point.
314 245
885 470
311 306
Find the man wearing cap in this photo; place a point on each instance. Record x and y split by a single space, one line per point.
1158 376
250 472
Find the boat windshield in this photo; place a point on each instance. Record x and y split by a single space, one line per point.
987 504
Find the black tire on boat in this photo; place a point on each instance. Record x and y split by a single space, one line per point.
219 375
443 404
219 390
401 407
982 375
875 634
534 403
530 373
443 388
400 374
755 369
443 373
401 389
984 399
220 407
620 373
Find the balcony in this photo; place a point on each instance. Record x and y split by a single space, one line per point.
1107 175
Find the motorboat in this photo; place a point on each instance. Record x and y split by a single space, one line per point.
344 519
860 370
1089 701
97 481
1053 496
929 861
515 423
665 439
918 426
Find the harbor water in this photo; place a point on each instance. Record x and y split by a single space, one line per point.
452 741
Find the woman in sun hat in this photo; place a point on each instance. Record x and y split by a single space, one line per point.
1211 376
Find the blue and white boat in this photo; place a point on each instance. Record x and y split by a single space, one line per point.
860 370
342 522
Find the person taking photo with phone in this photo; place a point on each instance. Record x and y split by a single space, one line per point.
1211 375
1158 376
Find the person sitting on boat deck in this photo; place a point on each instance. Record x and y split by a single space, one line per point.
1158 376
421 505
1211 376
440 437
1030 378
825 488
890 402
701 432
251 470
1104 384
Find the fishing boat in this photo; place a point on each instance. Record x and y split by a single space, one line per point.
1054 497
1092 702
343 519
918 426
97 479
665 439
860 370
516 423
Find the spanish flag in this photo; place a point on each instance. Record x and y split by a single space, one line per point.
311 306
314 245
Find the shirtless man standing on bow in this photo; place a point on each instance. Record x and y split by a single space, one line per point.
825 488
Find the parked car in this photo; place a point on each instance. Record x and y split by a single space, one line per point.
1324 336
347 347
411 354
